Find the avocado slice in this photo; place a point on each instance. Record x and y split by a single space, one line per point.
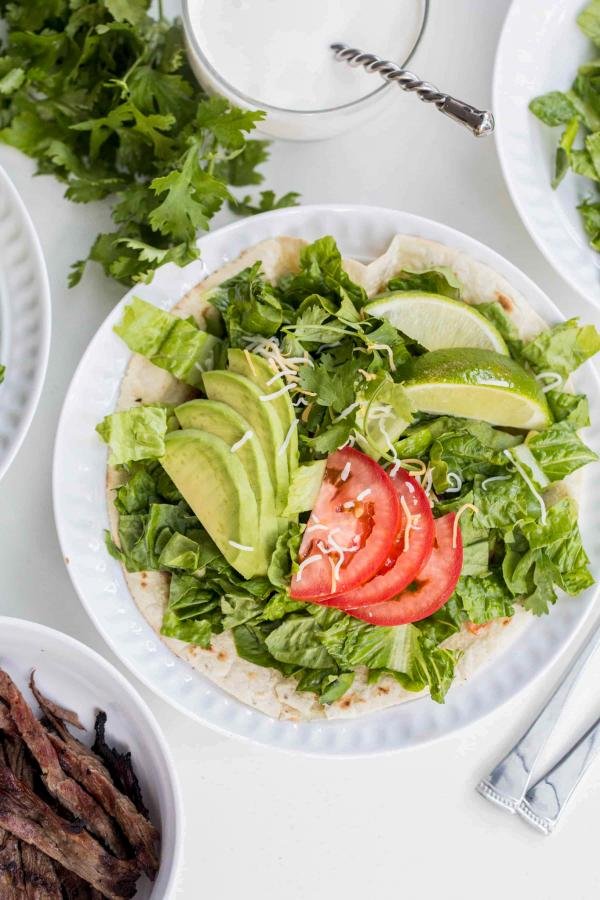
260 372
244 396
225 423
215 484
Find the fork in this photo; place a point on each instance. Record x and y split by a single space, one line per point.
507 785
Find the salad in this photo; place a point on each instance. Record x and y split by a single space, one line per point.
577 111
340 482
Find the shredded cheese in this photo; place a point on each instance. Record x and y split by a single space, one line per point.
245 437
530 485
463 509
316 527
421 467
243 547
288 437
249 361
307 562
486 481
346 471
368 376
285 373
556 380
363 494
454 478
408 526
386 349
346 412
279 393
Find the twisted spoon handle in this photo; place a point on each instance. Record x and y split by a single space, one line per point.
479 121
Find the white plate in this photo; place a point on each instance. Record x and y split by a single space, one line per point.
540 49
81 514
24 321
78 678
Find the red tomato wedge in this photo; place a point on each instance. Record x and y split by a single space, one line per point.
432 587
352 527
409 553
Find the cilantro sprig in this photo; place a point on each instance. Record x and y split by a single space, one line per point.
100 94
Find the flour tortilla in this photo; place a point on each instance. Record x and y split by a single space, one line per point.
266 689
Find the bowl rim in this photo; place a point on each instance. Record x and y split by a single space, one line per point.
39 272
172 779
194 48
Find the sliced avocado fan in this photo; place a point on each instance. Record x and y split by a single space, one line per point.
247 399
225 423
214 482
257 369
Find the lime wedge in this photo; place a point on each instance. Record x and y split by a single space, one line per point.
476 384
437 322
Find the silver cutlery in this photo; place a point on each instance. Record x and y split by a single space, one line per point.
507 785
479 121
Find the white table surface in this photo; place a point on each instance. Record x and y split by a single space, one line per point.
260 824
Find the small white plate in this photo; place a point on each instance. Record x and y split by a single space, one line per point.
24 321
81 513
540 49
78 678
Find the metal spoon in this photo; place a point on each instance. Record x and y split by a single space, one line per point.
479 121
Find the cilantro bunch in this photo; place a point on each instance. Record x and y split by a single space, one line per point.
101 96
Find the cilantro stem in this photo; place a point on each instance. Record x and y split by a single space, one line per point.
161 14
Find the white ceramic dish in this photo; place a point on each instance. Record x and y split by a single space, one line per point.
78 678
81 514
540 49
24 321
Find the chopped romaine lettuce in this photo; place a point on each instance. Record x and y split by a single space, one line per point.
434 281
134 434
171 343
562 349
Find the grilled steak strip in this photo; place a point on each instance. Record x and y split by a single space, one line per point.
74 888
119 765
12 886
6 723
84 766
68 792
141 834
41 880
31 820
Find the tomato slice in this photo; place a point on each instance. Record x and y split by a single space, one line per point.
432 587
351 529
402 565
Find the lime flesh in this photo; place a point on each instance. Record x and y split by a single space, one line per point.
437 322
475 384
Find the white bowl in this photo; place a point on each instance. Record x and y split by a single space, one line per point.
78 678
539 50
24 321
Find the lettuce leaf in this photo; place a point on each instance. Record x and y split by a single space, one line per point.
571 408
440 280
485 599
304 487
298 640
562 349
171 343
501 503
559 451
135 434
553 108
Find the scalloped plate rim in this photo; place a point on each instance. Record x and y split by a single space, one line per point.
132 640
